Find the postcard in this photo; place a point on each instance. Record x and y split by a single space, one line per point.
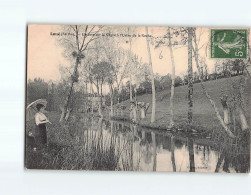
138 98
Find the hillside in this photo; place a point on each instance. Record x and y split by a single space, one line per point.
203 113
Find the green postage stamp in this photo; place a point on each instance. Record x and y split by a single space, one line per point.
228 43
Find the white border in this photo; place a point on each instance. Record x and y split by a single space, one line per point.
14 16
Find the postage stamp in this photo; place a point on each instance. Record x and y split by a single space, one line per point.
228 43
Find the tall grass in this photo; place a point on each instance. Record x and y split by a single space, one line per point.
73 147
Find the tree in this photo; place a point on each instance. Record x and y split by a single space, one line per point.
238 66
166 81
130 64
152 77
176 37
178 81
206 71
110 81
36 89
101 73
120 64
118 58
173 77
157 84
75 46
190 76
146 86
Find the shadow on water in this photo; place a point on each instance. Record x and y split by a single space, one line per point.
235 154
141 149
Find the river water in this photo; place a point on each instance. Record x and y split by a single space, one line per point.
141 149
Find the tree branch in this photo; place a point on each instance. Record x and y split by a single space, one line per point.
92 39
85 35
77 41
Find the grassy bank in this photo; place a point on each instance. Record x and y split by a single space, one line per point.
72 146
204 117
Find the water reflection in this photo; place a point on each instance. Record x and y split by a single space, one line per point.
191 155
172 154
140 149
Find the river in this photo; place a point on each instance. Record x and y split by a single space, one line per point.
142 149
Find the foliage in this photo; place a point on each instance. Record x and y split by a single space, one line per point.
178 81
102 72
165 81
238 66
36 89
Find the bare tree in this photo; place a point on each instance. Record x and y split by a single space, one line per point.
75 45
190 76
117 57
175 37
152 78
173 77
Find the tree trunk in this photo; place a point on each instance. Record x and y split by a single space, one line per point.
206 73
190 77
243 119
152 78
92 98
130 86
111 112
67 114
173 77
225 110
205 91
244 124
74 78
202 74
99 102
66 103
101 94
62 114
131 114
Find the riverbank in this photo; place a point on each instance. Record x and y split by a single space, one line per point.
71 145
92 143
204 117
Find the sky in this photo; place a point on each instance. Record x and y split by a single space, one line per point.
45 55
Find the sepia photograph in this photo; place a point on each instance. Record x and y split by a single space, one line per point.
138 98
